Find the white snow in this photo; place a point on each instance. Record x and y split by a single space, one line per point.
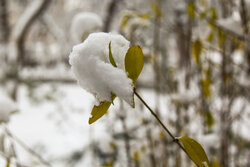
7 106
238 57
215 57
83 24
91 66
186 97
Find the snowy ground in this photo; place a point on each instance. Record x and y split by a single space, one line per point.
56 130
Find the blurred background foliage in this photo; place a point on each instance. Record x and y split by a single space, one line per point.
196 76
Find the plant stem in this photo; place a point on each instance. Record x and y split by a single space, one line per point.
164 127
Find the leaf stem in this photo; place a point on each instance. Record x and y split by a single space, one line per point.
161 123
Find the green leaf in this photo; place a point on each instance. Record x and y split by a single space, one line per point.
136 157
7 163
209 119
215 163
191 10
98 111
210 37
108 164
221 37
203 14
213 14
111 59
125 21
195 151
197 49
157 11
205 84
134 61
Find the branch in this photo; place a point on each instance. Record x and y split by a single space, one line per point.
64 80
16 162
226 30
4 22
161 123
24 23
110 14
26 147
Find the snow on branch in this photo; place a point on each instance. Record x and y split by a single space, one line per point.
94 71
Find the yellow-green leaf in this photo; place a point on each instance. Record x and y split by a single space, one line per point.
197 49
143 16
209 119
111 59
210 37
98 111
108 164
205 84
203 14
195 151
221 37
134 61
213 13
125 20
215 163
136 157
157 10
7 163
191 10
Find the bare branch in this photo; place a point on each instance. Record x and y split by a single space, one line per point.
32 152
24 23
4 24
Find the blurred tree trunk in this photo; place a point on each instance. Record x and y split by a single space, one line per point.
226 72
151 147
4 29
20 31
24 24
178 127
184 40
156 56
244 23
184 36
4 24
110 14
123 117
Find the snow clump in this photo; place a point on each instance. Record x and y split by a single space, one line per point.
91 66
83 24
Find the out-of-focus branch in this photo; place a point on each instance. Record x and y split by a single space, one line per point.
110 14
24 23
32 152
226 30
4 24
20 31
48 80
26 80
16 162
57 32
244 22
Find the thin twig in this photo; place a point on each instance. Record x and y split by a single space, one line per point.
26 147
225 29
161 123
16 161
